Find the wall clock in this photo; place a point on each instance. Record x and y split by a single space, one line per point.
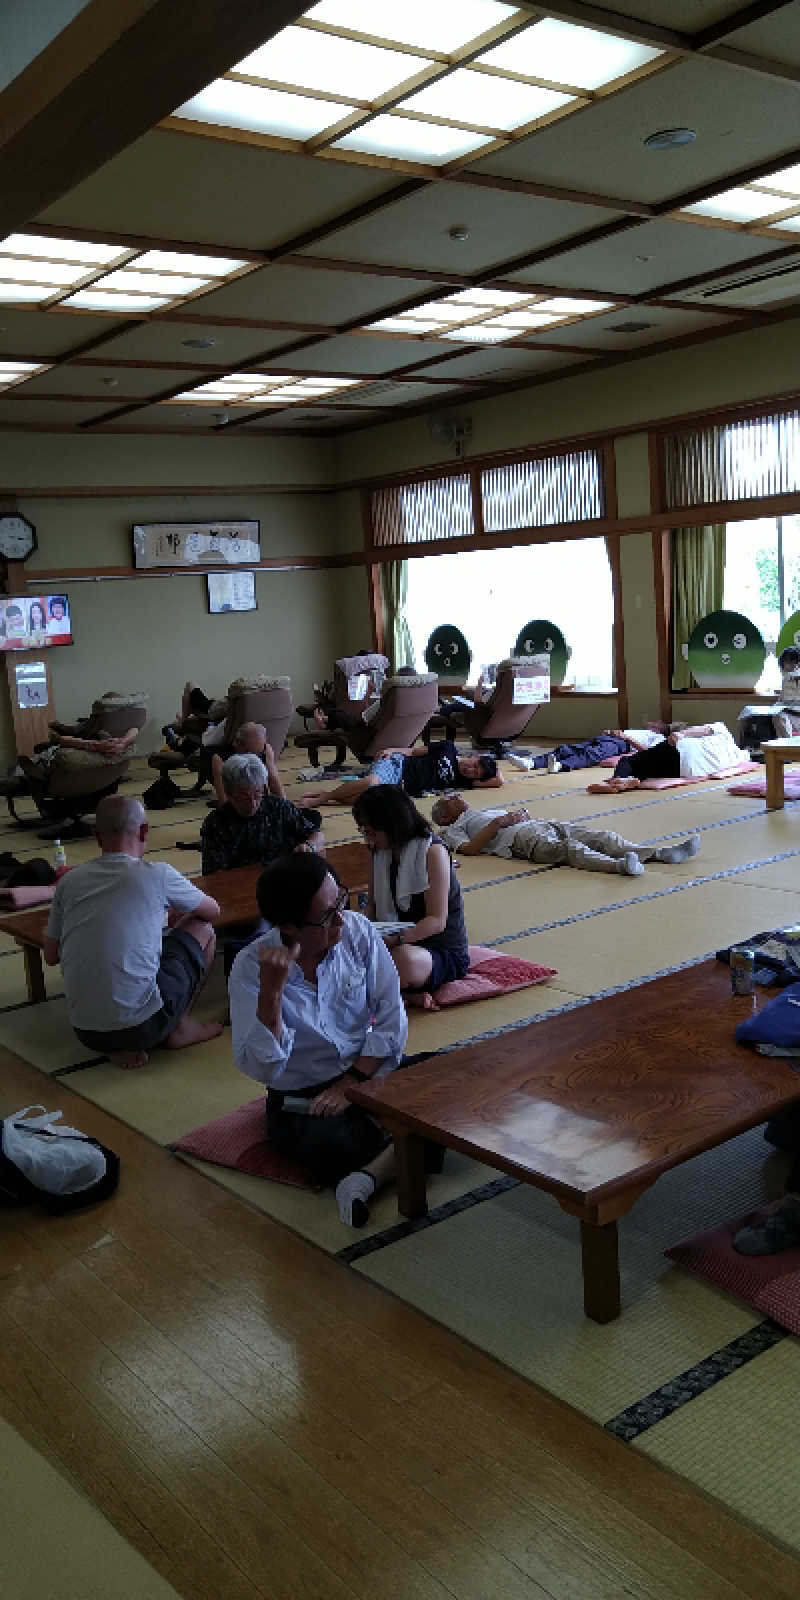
17 536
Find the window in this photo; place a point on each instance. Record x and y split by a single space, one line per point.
491 594
762 579
733 461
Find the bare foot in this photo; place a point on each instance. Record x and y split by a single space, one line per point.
420 999
190 1032
129 1058
320 718
614 786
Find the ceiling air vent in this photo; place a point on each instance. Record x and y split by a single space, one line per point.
629 327
753 288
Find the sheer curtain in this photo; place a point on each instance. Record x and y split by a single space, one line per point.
698 582
394 588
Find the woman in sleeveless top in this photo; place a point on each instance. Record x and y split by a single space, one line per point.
413 879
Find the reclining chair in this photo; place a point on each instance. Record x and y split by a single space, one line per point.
407 705
497 720
76 780
249 699
349 673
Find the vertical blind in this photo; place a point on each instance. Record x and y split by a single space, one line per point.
540 492
733 460
548 489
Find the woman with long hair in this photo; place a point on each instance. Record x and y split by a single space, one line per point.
412 879
37 621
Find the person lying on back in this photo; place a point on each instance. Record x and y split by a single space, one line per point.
416 770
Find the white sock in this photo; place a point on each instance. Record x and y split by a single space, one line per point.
630 866
678 852
352 1194
520 761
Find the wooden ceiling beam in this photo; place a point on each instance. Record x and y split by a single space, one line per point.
706 38
106 78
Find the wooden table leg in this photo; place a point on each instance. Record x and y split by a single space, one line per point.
34 973
774 766
409 1154
600 1257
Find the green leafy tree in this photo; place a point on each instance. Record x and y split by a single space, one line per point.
767 567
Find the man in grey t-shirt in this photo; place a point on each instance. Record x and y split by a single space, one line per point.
130 986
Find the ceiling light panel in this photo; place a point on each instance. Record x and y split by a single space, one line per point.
18 292
489 101
243 105
480 333
430 143
97 300
14 372
259 388
176 261
53 272
570 306
737 205
172 284
560 52
41 249
445 25
343 67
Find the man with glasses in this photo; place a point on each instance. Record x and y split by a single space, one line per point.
315 1005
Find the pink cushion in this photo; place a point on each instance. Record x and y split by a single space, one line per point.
27 894
758 786
239 1140
769 1283
490 973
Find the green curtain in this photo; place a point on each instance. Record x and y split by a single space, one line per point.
394 587
698 581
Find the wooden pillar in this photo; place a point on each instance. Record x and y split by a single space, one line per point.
30 722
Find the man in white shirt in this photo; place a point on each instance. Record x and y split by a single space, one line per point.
555 844
315 1005
129 989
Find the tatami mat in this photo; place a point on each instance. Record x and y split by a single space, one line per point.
42 1035
506 1275
505 1272
55 1545
736 1442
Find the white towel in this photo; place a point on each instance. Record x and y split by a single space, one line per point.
412 878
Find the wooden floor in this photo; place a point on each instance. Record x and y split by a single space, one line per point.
257 1420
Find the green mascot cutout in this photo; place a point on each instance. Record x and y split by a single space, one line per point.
725 651
541 638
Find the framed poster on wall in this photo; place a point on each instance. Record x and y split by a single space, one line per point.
196 544
231 591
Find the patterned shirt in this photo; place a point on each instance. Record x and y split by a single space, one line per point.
228 840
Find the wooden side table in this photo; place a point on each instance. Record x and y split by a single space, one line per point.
776 754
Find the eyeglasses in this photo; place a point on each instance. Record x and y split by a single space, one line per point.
335 911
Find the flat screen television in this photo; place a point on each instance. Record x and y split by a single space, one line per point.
32 622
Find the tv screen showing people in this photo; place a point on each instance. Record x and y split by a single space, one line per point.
35 621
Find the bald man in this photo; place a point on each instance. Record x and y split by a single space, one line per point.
129 984
249 740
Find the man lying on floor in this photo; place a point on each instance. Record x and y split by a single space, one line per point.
416 770
315 1005
554 844
701 751
129 989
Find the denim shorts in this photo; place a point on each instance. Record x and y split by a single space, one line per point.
388 769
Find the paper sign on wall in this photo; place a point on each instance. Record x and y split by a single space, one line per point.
31 679
532 687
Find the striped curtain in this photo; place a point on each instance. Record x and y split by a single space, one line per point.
698 581
397 637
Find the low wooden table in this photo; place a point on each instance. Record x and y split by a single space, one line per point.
234 891
776 754
592 1106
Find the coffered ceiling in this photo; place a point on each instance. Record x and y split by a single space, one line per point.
331 216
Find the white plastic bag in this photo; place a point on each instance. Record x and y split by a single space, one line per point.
57 1160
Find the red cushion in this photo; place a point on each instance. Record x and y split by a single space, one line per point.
490 973
239 1140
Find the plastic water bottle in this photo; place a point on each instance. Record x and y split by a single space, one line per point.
59 857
